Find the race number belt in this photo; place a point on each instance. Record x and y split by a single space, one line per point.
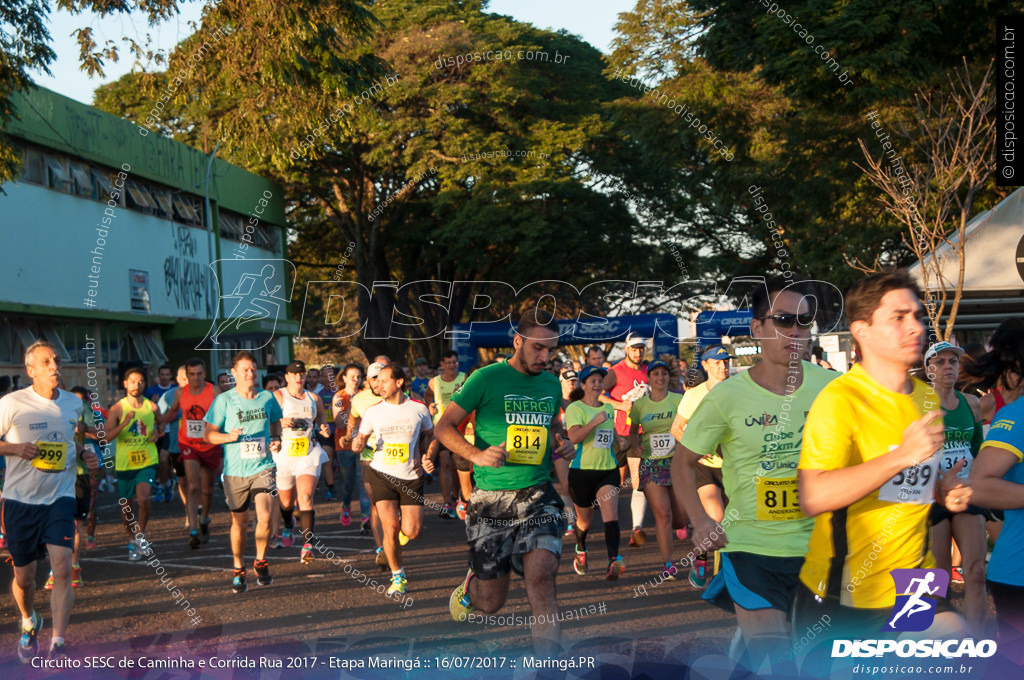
914 485
252 449
526 444
194 429
52 456
297 448
777 500
662 445
396 453
603 439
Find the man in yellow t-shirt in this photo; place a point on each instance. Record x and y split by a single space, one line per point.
868 471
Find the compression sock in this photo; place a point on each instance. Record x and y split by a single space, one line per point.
581 538
611 538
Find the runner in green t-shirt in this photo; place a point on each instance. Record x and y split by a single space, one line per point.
757 419
653 413
515 517
593 477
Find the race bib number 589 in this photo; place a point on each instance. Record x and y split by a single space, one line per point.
914 485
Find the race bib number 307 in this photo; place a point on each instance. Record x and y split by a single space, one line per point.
914 485
52 456
662 445
526 444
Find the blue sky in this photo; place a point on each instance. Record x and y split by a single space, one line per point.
593 20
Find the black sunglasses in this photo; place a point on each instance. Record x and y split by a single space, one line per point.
787 320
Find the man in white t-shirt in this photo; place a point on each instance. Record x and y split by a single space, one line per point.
399 430
38 424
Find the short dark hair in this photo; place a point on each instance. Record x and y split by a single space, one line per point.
134 369
162 367
865 296
227 375
761 300
531 320
271 376
80 391
595 348
351 366
449 353
243 355
194 361
397 372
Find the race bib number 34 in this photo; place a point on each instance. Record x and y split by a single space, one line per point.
526 444
777 500
52 456
914 485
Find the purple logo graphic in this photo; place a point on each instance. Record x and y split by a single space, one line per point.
916 590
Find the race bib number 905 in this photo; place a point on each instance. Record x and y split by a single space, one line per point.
52 456
526 444
396 453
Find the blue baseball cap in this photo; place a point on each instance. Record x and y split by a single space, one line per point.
717 352
591 370
658 363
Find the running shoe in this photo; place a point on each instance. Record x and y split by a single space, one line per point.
398 582
683 534
382 560
364 527
458 603
330 495
579 564
615 569
158 494
958 574
28 645
90 543
668 572
275 542
287 539
402 538
3 542
49 582
169 492
346 517
238 581
193 540
569 530
307 554
204 530
698 574
133 552
446 511
76 576
59 650
460 510
262 570
145 547
638 538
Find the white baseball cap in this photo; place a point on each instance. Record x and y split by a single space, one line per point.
942 347
373 369
635 340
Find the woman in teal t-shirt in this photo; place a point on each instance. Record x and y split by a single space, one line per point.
650 437
594 472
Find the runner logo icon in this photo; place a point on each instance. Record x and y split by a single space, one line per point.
915 592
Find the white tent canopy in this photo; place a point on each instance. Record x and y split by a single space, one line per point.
994 266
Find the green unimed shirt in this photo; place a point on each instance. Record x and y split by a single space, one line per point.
760 433
516 409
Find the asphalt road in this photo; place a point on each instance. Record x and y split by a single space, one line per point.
126 610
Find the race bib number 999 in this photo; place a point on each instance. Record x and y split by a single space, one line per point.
52 456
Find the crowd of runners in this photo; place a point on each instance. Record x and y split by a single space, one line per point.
801 488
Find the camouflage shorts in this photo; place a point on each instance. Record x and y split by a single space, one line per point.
502 526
